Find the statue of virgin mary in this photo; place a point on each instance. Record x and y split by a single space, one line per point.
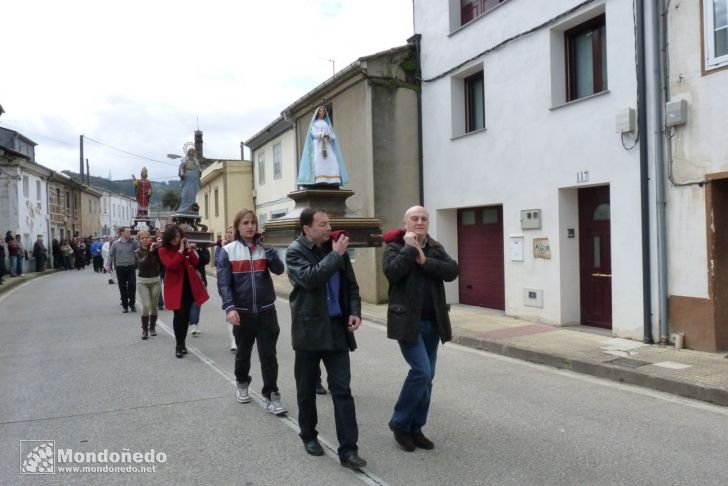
321 162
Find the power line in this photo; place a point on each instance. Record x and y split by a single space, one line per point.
36 134
86 137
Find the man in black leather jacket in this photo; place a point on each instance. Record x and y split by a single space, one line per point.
325 311
417 317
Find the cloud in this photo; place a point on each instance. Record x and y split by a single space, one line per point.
139 74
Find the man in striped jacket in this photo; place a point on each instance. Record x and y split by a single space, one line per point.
248 299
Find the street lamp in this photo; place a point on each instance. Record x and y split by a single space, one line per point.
174 156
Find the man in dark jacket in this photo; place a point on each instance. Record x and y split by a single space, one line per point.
325 311
39 253
417 317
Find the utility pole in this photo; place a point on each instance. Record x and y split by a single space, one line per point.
88 174
81 159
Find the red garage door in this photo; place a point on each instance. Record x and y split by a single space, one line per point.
480 254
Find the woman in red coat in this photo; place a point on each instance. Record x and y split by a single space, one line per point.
182 283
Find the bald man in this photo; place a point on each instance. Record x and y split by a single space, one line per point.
416 267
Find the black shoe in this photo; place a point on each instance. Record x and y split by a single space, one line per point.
111 281
402 438
313 447
320 390
353 461
419 440
126 309
178 352
184 350
133 308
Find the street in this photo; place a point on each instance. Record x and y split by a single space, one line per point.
75 371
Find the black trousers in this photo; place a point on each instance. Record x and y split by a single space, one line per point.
338 369
40 263
181 320
126 278
263 329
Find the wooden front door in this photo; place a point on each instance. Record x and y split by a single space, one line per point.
480 251
595 257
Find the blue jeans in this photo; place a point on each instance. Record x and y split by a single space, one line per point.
410 411
195 314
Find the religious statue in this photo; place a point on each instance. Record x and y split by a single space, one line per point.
143 189
189 173
322 164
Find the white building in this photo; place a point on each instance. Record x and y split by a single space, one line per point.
117 210
23 190
527 181
696 161
273 151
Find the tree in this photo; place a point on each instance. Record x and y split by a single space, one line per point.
170 200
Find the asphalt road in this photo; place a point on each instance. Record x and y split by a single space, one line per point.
73 370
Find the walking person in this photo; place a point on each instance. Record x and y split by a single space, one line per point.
57 254
39 253
416 266
123 260
325 312
182 284
203 257
229 238
248 299
148 283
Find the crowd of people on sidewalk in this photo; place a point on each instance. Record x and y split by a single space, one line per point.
65 254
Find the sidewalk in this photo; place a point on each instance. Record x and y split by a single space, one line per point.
692 374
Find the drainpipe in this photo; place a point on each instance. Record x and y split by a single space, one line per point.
416 39
657 102
644 173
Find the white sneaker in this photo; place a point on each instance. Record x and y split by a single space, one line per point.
243 396
273 405
194 331
233 347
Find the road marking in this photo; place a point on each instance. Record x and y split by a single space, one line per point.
365 476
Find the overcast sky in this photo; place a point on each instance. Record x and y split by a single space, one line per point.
137 75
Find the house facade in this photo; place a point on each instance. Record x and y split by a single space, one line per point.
226 186
696 161
116 210
273 151
63 197
531 171
23 190
372 104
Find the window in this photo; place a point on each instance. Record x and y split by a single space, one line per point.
470 9
262 219
37 190
68 203
217 204
586 59
715 29
474 104
207 206
58 196
277 161
26 186
261 169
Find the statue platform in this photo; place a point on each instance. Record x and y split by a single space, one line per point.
363 232
195 232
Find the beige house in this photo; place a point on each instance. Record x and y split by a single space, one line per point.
373 107
225 187
89 206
